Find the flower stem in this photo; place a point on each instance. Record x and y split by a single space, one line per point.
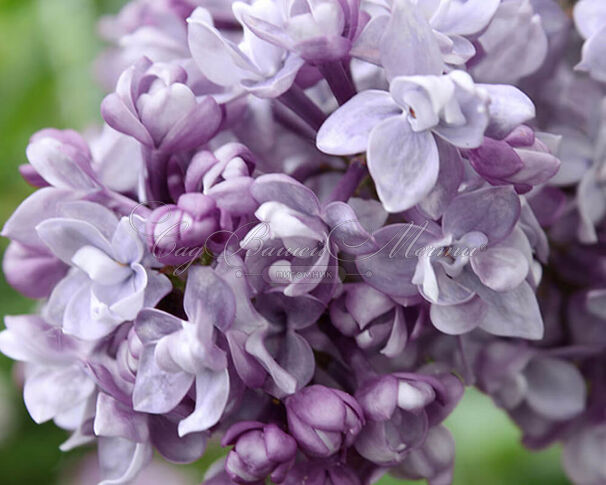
349 182
339 81
297 101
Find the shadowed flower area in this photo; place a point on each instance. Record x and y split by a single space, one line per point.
184 358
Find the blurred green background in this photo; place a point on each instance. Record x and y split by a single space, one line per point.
46 53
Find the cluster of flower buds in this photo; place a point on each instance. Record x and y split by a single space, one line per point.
306 226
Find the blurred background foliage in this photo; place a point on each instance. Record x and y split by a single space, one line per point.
47 48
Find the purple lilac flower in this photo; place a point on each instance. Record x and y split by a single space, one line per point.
323 420
259 450
291 208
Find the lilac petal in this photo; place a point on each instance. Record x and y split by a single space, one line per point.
28 338
465 17
391 269
264 30
457 319
18 340
366 46
195 128
495 159
79 319
124 300
449 179
42 400
234 195
285 190
473 105
500 268
161 110
296 357
61 296
583 455
347 130
38 207
99 266
364 303
208 299
403 164
281 447
172 447
592 206
32 271
369 212
509 107
57 167
212 391
151 325
218 59
64 237
556 389
346 231
408 46
508 59
513 313
157 391
539 167
299 313
121 460
117 115
158 286
115 419
127 247
596 302
433 461
255 345
447 290
492 211
589 17
95 214
379 399
280 82
592 60
249 370
386 443
326 412
398 337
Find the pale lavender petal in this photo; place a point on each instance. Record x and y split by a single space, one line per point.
208 299
492 211
195 128
465 17
509 107
589 17
348 129
450 176
403 164
556 388
218 59
42 400
38 207
500 268
592 60
121 460
286 190
346 231
212 391
115 419
157 391
408 46
57 167
64 237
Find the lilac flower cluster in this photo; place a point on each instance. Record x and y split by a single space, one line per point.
307 225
